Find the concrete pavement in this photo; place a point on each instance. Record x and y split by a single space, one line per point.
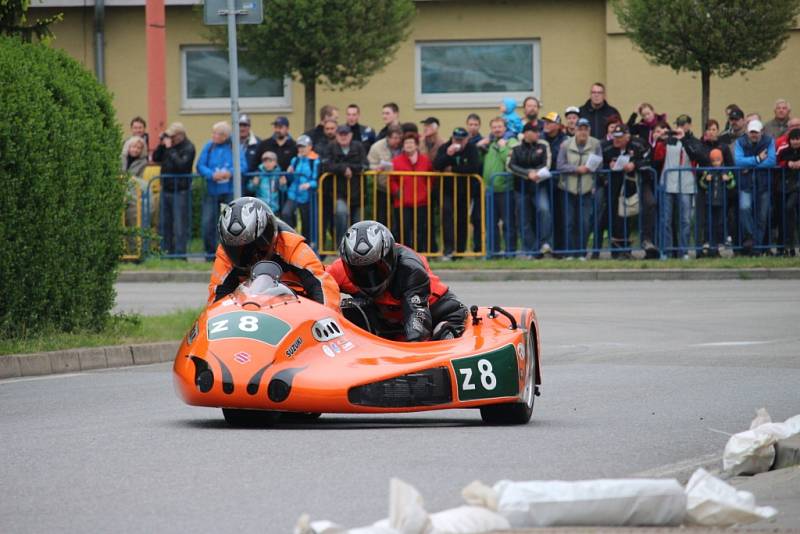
645 378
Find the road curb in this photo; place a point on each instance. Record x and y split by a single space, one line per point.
529 275
86 359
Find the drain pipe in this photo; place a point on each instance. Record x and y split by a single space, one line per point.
99 40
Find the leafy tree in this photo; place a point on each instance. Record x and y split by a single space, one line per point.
337 43
712 37
14 21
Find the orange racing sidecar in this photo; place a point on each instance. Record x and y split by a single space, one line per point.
263 353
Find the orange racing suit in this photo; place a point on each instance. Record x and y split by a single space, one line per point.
302 271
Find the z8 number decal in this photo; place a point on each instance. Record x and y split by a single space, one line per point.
488 376
250 325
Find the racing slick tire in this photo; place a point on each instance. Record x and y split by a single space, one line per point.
250 418
517 413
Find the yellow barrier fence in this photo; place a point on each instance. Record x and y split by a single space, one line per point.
435 213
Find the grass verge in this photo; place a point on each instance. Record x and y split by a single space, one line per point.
120 330
761 262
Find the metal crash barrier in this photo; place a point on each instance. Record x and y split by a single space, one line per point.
689 209
437 214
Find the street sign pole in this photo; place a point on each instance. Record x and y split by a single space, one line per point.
221 12
233 63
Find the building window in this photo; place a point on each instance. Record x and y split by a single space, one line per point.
206 88
476 73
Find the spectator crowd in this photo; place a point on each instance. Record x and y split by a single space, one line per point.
551 180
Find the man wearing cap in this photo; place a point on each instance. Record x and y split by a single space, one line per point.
248 142
736 129
577 183
363 134
345 159
527 161
621 181
430 140
756 153
779 125
281 143
571 116
176 154
598 111
461 158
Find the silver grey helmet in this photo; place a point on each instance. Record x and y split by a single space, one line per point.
368 255
247 231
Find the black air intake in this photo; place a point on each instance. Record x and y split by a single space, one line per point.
424 388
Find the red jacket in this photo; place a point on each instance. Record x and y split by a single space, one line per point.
412 189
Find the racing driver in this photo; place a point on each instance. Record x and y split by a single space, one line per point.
394 286
250 232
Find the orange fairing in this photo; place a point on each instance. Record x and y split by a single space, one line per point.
263 348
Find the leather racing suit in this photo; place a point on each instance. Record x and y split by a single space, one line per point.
302 271
416 301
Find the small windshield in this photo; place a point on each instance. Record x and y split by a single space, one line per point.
265 280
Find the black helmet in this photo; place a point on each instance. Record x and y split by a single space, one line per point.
247 231
367 252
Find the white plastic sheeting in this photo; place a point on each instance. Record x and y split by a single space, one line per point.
604 502
753 451
712 502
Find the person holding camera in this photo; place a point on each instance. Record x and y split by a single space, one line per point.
175 153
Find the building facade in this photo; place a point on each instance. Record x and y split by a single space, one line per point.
461 57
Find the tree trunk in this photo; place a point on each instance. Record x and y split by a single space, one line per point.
311 103
706 77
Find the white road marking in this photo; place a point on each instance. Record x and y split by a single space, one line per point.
674 469
732 344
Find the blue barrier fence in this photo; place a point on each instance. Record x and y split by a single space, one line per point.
684 209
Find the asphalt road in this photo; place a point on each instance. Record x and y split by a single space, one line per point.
640 378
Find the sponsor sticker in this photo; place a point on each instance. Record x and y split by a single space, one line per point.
521 351
335 347
346 345
241 357
328 352
415 299
192 335
293 347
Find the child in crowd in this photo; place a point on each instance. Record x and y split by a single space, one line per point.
720 187
513 121
269 183
305 170
789 159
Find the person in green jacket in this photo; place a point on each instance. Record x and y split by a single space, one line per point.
501 185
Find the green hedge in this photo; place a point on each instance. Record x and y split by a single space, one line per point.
61 199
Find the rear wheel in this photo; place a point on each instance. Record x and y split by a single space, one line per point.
250 418
517 413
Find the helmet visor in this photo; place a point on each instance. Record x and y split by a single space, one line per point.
245 256
371 279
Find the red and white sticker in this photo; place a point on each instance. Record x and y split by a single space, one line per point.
241 357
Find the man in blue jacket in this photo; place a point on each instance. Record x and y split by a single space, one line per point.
756 153
215 164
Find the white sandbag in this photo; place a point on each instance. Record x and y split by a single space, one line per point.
468 520
753 451
476 493
603 502
407 513
712 502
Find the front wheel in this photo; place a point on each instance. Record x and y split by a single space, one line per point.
250 418
517 413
